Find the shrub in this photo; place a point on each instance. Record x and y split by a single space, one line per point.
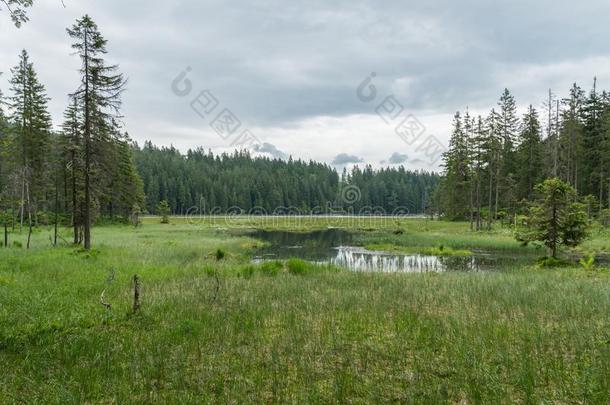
550 261
588 264
164 210
220 254
271 268
297 266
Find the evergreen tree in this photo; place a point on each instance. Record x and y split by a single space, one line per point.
529 155
477 158
554 218
31 124
71 140
456 164
99 97
5 201
508 128
594 162
266 185
164 210
571 138
492 147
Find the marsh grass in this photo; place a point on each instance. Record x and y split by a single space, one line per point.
533 335
424 250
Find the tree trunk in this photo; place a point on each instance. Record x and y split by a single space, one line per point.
74 203
554 231
490 199
497 191
479 225
22 207
56 209
29 217
87 213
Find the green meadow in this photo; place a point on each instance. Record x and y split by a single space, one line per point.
214 327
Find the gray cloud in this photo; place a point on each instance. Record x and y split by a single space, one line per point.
397 158
271 150
345 159
276 64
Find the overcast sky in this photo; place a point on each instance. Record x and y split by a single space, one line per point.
289 71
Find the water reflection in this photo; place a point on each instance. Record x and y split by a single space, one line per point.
333 246
358 259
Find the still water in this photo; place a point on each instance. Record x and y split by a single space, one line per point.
335 246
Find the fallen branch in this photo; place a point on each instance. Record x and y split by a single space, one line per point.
105 304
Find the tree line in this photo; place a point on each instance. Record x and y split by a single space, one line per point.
239 182
494 162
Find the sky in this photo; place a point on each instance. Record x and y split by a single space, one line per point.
342 82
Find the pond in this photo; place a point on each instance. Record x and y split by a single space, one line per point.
335 246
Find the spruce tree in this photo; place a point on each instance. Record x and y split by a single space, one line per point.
492 147
554 217
99 97
529 155
72 146
508 128
571 138
456 164
31 136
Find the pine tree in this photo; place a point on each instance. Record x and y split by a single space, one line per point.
594 159
571 137
99 97
164 210
477 158
508 128
71 140
529 155
492 147
4 157
31 128
457 176
554 218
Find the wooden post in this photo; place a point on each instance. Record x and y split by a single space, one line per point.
136 293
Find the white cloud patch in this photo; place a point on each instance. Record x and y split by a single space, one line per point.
271 150
398 158
343 159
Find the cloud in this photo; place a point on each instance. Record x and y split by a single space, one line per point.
283 65
271 150
397 158
345 159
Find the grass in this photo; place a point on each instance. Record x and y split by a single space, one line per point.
424 250
223 329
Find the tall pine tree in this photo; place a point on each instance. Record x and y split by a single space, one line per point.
99 97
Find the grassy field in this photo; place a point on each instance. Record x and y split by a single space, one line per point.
226 330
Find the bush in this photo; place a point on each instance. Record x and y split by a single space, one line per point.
164 210
550 261
220 254
271 268
297 266
588 264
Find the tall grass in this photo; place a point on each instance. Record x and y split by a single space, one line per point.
522 335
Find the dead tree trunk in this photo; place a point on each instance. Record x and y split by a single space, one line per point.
136 293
